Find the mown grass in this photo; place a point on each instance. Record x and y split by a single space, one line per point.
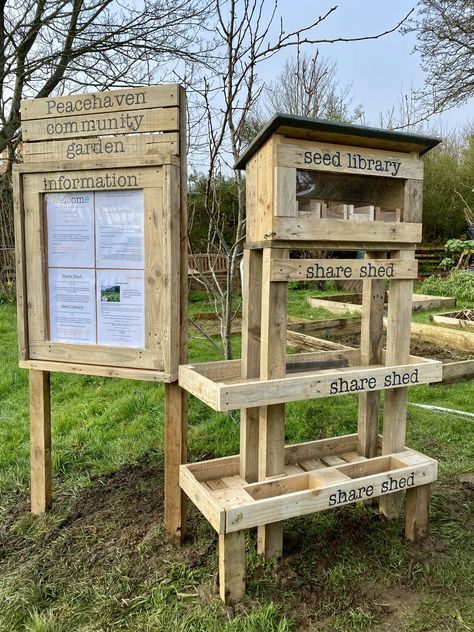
99 561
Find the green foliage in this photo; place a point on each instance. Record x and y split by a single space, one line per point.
223 191
457 246
442 208
7 294
459 284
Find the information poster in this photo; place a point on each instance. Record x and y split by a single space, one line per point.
70 221
96 268
121 308
120 229
72 305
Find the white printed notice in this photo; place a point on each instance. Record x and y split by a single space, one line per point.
120 308
70 220
72 305
120 233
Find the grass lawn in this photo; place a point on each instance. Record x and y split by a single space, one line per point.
99 560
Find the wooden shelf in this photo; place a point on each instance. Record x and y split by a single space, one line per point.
308 376
318 475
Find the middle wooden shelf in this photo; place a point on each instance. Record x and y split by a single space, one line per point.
308 376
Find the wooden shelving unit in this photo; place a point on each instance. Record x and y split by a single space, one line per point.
318 185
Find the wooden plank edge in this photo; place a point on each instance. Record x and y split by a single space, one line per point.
203 500
100 371
304 502
155 160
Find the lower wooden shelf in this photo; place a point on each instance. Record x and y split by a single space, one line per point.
318 475
308 376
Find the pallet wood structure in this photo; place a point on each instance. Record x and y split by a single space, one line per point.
124 142
306 179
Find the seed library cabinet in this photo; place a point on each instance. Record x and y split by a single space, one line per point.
318 186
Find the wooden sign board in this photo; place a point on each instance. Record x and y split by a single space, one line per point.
100 280
342 269
348 160
99 222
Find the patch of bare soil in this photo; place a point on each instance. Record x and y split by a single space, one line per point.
417 348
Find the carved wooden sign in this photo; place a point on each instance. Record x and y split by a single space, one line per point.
342 269
350 160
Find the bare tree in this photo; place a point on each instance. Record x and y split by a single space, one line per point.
248 32
308 86
445 32
53 46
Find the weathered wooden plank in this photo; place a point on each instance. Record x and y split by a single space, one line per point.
338 230
330 327
103 371
342 269
326 383
397 351
417 512
175 455
272 414
129 99
232 567
78 150
458 370
203 500
373 298
92 124
349 159
250 365
324 496
40 441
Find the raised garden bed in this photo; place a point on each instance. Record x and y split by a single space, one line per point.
463 319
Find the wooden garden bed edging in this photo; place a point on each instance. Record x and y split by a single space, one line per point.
337 305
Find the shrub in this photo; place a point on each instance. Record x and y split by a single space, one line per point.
459 284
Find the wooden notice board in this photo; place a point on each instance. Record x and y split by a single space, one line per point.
101 244
96 211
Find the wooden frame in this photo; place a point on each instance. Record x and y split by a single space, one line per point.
159 357
215 383
306 192
138 136
333 467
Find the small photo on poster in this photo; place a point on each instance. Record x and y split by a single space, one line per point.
110 293
121 308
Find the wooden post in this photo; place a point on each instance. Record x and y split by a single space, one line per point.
373 295
272 418
417 512
232 567
40 441
175 397
398 352
251 317
175 455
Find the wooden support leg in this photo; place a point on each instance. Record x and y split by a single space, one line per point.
272 418
396 399
373 295
417 512
175 455
232 567
271 462
251 321
40 441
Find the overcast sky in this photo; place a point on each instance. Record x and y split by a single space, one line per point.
378 70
